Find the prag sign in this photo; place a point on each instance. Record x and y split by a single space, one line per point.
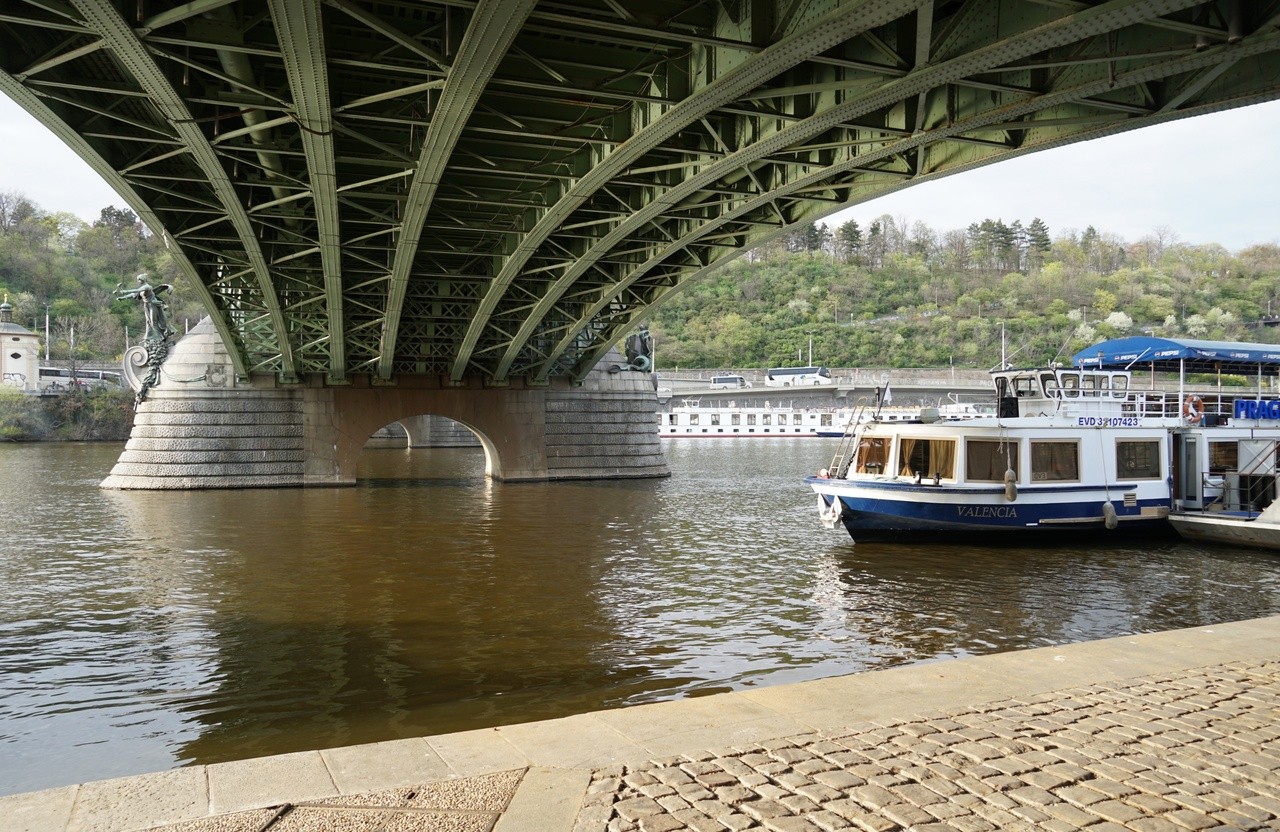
1257 409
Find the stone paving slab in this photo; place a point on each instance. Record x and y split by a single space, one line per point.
1160 732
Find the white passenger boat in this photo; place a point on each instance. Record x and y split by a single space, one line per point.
1069 450
692 419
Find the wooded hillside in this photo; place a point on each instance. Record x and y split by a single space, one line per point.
890 293
904 295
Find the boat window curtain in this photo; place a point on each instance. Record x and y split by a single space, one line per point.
1055 461
987 461
873 456
906 448
942 458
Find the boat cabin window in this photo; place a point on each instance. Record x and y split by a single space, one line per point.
986 460
782 418
873 455
1223 457
693 418
927 458
1055 461
735 418
671 418
1138 459
1070 385
1050 384
751 418
715 418
1024 386
766 419
825 420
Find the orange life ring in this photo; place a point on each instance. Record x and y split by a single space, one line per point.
1192 408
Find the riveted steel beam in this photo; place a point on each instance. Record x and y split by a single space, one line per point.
610 156
301 35
125 44
30 102
1193 64
1067 28
747 76
493 27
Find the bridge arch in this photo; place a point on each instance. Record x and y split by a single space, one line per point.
503 420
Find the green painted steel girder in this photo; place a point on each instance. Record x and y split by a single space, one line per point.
505 188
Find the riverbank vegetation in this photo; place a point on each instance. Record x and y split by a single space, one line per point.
899 294
78 415
886 292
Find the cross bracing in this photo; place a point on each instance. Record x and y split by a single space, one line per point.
504 188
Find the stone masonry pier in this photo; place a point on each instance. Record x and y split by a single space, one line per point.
200 428
1161 732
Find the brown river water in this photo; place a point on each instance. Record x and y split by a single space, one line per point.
141 631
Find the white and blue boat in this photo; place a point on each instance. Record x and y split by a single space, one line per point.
1069 450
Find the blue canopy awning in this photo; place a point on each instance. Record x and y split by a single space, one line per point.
1172 354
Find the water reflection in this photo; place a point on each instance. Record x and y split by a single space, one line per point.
144 630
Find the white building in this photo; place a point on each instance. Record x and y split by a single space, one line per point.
20 355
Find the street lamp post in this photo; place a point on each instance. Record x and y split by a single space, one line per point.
810 349
46 333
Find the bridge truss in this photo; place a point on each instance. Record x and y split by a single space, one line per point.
504 188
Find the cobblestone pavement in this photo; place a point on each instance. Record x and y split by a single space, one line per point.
1195 750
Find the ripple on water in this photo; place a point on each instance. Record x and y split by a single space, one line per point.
140 631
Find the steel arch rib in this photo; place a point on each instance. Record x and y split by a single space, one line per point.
1207 60
1066 29
1267 43
300 31
493 28
30 102
117 36
817 38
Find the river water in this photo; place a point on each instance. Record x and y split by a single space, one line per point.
141 631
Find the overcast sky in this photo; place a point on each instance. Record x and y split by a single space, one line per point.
1214 178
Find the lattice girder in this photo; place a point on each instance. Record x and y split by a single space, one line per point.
506 187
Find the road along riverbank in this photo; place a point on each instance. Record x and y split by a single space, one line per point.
1160 731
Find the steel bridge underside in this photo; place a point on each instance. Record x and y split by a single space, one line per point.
501 189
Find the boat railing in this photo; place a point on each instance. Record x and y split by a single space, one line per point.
1251 486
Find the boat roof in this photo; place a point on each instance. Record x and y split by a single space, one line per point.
1172 354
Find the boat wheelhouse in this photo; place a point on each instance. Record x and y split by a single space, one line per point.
1073 449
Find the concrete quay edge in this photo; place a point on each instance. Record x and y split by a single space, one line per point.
559 755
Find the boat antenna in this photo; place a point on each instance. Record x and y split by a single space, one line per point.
1004 362
1061 348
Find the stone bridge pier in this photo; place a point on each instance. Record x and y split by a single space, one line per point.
199 428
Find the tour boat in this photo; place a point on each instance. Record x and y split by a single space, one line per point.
691 419
1069 449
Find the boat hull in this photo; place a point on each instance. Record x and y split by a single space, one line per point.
898 511
1235 531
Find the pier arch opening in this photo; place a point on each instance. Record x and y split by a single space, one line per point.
427 446
508 425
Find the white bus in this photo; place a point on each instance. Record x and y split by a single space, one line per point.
797 377
58 379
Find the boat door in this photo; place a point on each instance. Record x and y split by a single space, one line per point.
1187 493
